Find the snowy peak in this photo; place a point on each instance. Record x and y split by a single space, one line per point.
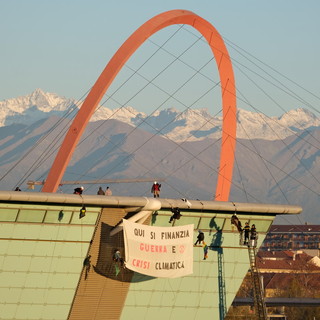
46 102
260 126
43 101
299 117
191 124
33 107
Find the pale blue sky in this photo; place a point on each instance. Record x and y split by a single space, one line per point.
62 46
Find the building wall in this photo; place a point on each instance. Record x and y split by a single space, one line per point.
42 274
214 283
41 259
292 240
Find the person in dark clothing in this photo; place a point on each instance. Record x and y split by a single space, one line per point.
82 212
155 189
200 237
176 214
100 192
17 189
246 233
60 216
78 190
253 236
87 266
236 222
253 232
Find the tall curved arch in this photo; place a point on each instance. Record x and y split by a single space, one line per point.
228 91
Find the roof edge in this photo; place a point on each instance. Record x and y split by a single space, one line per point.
118 201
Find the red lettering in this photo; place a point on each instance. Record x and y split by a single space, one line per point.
152 248
141 264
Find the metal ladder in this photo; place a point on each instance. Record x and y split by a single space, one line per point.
222 285
259 303
216 245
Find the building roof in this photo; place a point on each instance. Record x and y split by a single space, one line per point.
304 228
281 280
285 260
151 203
275 255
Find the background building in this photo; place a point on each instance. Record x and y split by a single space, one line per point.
293 237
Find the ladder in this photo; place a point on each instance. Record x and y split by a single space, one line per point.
222 285
260 306
259 303
216 245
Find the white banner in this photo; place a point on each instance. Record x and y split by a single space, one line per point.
165 252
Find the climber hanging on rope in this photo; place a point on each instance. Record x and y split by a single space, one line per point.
200 237
176 214
235 220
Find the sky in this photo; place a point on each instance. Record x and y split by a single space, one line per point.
62 46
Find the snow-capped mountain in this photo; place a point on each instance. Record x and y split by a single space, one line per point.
191 125
33 107
40 105
252 124
281 167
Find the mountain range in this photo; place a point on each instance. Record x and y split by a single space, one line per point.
193 124
277 158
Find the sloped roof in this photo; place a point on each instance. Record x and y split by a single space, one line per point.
305 228
272 255
285 260
281 280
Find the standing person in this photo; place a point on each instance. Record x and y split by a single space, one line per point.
200 237
78 190
108 192
246 233
253 235
253 232
100 192
156 189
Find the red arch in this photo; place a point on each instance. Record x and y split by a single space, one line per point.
155 24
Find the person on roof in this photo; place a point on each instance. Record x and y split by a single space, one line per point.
108 192
78 190
155 189
100 192
200 237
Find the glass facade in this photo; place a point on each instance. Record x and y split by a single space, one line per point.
47 214
42 249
